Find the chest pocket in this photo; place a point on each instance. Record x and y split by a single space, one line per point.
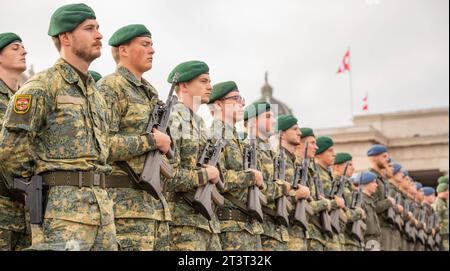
66 135
189 150
233 157
137 116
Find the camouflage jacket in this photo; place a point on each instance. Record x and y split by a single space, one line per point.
373 231
273 189
382 204
440 206
237 180
189 137
130 103
314 232
56 122
292 163
11 213
351 215
5 96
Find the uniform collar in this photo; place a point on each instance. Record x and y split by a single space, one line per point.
130 76
5 89
71 76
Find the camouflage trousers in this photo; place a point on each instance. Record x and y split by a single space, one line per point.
271 244
444 245
188 238
14 225
13 241
240 241
59 234
142 234
390 239
297 239
315 245
333 244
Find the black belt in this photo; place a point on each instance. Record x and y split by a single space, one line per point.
71 178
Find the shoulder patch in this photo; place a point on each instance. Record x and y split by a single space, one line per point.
22 103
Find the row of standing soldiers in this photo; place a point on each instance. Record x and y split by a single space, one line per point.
107 165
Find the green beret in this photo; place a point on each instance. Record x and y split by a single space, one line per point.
442 187
97 76
323 144
188 71
8 38
285 122
221 90
69 17
443 179
127 33
256 109
306 132
342 157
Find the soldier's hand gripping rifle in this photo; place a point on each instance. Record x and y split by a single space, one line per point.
430 237
159 119
204 194
283 205
337 191
407 220
302 208
421 227
358 226
325 219
255 198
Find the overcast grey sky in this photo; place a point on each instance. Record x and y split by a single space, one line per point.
400 48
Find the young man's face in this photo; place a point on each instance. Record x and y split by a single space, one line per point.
232 106
200 87
327 157
372 187
382 160
399 177
12 57
312 146
292 136
139 53
85 41
430 199
266 123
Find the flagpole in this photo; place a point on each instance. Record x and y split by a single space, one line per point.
350 83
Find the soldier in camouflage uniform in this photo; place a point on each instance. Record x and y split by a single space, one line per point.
347 241
317 241
440 206
419 245
260 122
429 199
379 160
325 157
367 182
141 220
398 208
56 127
290 140
239 232
14 234
189 230
399 182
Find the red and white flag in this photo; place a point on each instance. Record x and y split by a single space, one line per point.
345 65
365 106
